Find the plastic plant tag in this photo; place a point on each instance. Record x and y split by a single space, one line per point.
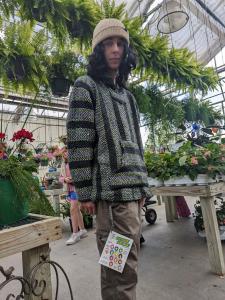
116 251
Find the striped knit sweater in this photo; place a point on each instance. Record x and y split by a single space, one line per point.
104 143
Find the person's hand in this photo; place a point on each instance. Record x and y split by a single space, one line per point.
88 207
68 180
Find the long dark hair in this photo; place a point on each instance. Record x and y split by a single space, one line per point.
97 67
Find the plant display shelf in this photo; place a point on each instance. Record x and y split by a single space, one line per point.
33 241
206 194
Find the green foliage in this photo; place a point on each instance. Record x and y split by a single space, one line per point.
66 64
65 209
52 12
220 214
109 9
82 17
188 160
21 54
73 21
160 114
200 111
175 67
163 115
8 7
26 186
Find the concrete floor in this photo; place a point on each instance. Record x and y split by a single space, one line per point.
173 264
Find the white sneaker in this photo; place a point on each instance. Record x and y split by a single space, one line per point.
75 237
83 233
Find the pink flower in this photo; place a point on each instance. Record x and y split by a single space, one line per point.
50 155
223 158
194 160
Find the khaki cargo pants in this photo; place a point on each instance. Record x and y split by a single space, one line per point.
127 221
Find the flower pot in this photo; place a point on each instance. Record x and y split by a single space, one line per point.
52 169
75 29
202 179
12 208
179 181
221 232
44 162
38 15
154 182
60 86
16 71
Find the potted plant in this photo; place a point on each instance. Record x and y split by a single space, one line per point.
154 166
44 159
88 220
21 57
220 214
65 67
82 17
20 191
189 165
65 211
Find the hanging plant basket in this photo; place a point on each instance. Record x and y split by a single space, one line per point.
16 68
12 208
38 15
75 29
60 86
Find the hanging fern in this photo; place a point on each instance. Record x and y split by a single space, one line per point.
109 9
21 54
200 111
82 17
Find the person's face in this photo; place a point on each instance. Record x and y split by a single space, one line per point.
113 52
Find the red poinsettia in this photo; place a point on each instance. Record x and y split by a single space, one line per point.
22 134
2 135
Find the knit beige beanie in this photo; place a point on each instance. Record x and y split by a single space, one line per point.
107 28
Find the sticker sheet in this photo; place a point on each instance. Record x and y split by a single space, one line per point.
115 252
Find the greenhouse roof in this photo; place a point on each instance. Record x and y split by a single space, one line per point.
204 33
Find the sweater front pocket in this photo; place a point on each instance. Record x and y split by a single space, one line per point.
132 171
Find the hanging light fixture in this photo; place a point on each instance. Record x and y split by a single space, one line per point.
172 17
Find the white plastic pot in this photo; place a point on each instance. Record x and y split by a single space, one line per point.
154 182
202 179
179 181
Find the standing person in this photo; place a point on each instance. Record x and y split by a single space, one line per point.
106 152
76 216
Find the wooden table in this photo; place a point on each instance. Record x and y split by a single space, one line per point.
33 241
206 194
